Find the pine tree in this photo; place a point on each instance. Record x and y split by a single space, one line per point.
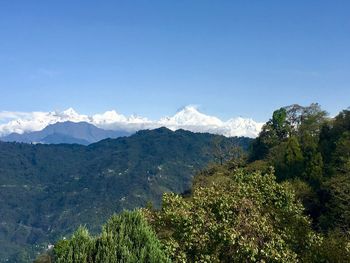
125 238
128 238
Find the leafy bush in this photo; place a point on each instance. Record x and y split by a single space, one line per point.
335 247
247 217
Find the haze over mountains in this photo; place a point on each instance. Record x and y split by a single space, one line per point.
189 118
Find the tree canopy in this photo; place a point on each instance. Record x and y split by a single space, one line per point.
235 217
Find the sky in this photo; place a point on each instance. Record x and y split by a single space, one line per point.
230 58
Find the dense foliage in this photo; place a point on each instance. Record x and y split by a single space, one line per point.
235 217
125 238
311 153
47 191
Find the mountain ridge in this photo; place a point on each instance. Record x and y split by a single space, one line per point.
65 132
188 118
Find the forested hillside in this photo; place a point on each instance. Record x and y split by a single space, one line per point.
288 201
312 153
47 191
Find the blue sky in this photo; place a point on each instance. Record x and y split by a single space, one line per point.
232 58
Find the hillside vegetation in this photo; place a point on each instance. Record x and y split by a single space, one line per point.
288 201
47 191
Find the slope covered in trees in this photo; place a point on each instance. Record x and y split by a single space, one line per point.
47 191
312 152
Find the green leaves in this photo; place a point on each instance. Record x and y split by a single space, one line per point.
315 158
77 249
248 217
125 238
337 207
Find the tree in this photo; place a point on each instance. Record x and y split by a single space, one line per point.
293 154
280 124
294 117
238 157
287 158
312 119
308 196
267 139
341 123
337 203
78 249
128 238
220 150
341 154
335 247
125 238
224 150
313 167
333 136
313 161
273 132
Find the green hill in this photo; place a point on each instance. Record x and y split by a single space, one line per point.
48 190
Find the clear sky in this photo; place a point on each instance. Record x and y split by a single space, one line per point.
232 58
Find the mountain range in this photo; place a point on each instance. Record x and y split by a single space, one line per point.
188 118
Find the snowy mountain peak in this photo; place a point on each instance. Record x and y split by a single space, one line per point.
189 109
188 118
242 127
70 112
108 117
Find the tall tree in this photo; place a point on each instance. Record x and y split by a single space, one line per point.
272 133
341 154
313 161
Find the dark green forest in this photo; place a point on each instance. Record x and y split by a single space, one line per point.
287 200
47 191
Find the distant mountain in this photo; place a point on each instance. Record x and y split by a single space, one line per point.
47 190
188 118
65 132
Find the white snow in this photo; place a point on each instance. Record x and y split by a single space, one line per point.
189 118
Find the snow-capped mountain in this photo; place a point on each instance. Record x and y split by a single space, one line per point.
242 127
188 118
36 121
